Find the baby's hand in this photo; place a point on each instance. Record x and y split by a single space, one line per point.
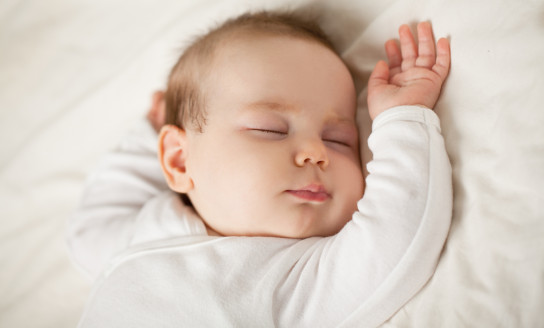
157 112
414 75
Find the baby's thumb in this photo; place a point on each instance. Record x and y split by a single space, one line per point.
380 75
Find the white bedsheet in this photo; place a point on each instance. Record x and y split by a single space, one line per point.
75 75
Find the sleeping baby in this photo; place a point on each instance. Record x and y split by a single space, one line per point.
256 213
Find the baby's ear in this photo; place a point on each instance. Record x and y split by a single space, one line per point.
173 156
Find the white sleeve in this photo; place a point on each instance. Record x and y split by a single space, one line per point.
125 180
390 248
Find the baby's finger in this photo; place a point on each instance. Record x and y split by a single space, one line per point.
408 47
443 59
426 51
393 56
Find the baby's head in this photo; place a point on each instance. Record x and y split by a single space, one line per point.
261 133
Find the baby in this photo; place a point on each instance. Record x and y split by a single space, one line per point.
260 138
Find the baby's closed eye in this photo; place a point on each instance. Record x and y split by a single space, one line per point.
268 132
338 142
272 131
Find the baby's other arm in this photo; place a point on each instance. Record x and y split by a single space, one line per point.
114 194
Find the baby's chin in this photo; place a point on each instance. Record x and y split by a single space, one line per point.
295 225
276 233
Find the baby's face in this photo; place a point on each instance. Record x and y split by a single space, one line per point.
278 155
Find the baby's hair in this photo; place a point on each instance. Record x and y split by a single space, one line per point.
185 99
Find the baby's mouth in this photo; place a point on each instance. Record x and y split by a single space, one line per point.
312 192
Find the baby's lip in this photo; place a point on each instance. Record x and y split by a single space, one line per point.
312 192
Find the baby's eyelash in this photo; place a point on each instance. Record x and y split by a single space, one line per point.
270 131
342 143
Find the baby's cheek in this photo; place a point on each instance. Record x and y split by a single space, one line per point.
354 186
351 176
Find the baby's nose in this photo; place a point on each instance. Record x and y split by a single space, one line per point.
312 152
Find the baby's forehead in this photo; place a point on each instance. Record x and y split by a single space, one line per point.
274 72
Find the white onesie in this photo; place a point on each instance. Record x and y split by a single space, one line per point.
157 267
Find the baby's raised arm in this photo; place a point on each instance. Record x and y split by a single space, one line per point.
390 248
415 73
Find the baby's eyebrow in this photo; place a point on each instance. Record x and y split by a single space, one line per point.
272 105
284 107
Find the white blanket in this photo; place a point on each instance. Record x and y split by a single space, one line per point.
75 75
